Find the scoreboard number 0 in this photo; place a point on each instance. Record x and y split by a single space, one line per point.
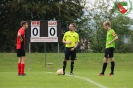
35 31
52 31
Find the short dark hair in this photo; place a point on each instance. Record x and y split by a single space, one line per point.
74 25
23 23
107 23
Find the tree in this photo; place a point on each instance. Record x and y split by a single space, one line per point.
100 11
12 12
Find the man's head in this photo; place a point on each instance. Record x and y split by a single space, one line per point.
107 25
24 24
72 26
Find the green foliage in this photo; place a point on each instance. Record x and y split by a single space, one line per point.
89 22
12 12
98 13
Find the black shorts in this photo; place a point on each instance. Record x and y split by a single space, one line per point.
20 52
109 52
69 53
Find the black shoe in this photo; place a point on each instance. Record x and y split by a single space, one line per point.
71 73
18 74
63 73
23 74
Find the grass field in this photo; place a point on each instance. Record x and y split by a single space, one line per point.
87 66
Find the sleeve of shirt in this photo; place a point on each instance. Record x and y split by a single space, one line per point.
64 37
21 32
77 38
113 33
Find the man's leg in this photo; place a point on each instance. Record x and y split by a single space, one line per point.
106 55
64 66
67 54
112 65
73 56
19 65
72 67
23 62
104 66
23 65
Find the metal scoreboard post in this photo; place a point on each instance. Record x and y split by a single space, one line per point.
43 31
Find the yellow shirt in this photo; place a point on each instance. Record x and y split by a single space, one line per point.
72 37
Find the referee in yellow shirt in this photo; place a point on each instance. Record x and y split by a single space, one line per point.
70 39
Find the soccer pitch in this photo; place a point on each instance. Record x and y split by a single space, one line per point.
87 66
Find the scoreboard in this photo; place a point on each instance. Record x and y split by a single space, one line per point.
44 31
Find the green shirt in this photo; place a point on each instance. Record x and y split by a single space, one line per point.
110 36
72 37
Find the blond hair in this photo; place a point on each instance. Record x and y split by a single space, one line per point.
107 23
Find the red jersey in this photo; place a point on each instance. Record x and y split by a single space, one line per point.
19 44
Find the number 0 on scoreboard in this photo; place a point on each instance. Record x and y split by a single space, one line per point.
52 28
35 28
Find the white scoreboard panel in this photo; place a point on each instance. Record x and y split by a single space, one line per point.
44 31
52 28
35 28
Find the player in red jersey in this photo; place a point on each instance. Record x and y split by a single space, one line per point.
20 48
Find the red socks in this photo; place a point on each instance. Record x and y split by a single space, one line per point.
21 68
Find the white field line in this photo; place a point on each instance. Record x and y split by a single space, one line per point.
87 79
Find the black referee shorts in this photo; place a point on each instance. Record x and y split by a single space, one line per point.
109 52
69 53
20 52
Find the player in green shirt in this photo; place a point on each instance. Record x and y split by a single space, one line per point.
110 46
70 39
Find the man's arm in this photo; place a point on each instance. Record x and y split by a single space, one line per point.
72 49
19 35
65 42
115 38
76 45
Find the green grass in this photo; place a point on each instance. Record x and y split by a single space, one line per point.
87 66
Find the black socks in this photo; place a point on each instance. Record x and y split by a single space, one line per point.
64 65
112 67
104 68
72 66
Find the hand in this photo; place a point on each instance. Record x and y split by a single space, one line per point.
69 43
109 43
21 40
72 49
